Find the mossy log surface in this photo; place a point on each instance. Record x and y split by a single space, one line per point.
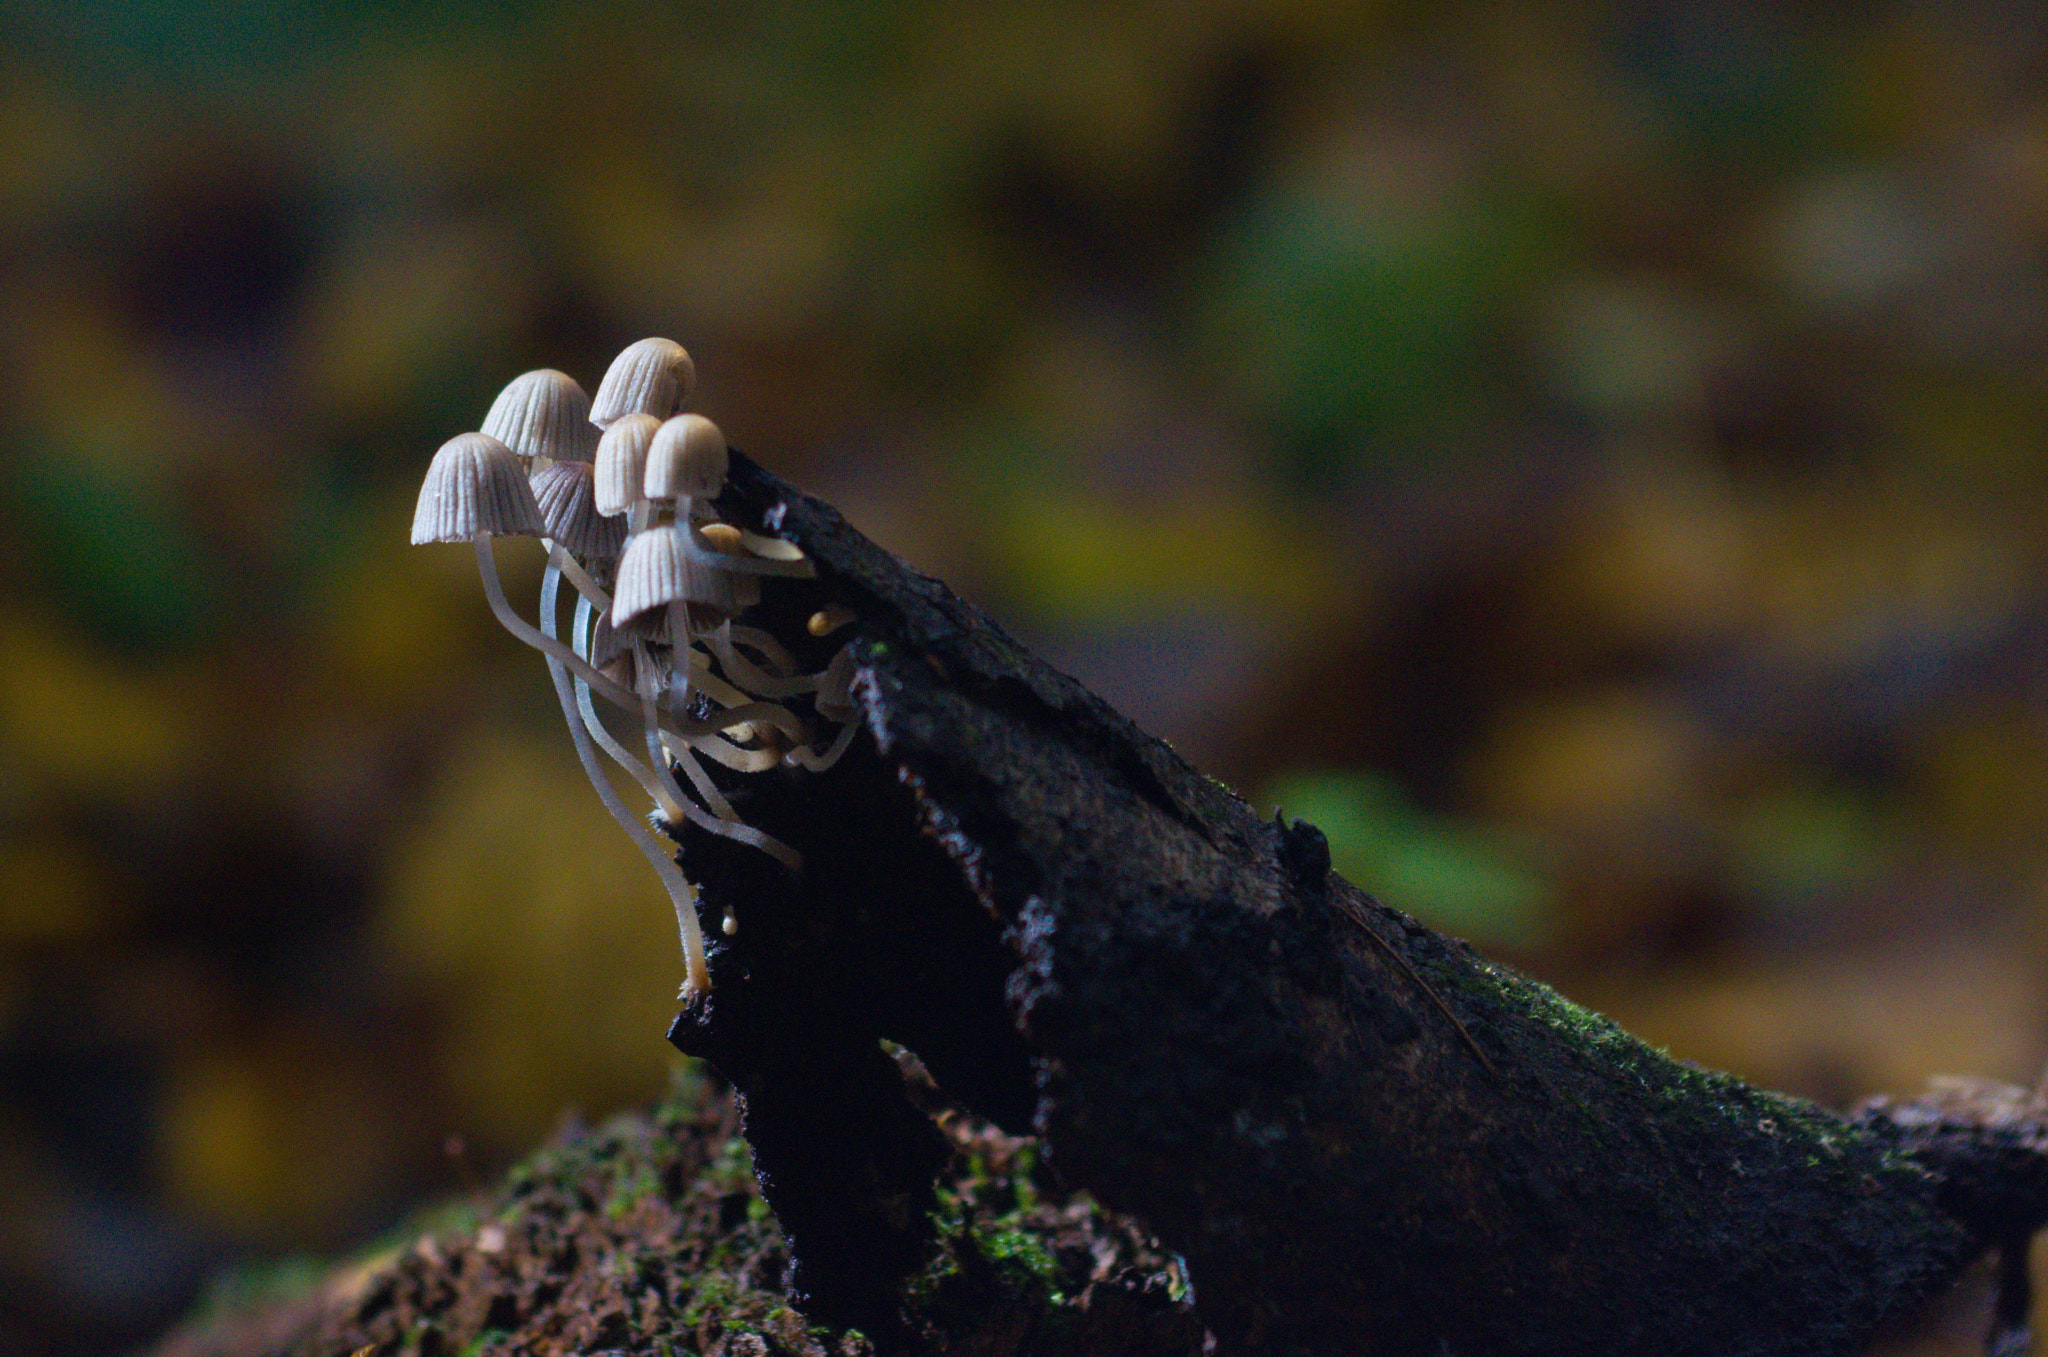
647 1237
1362 1136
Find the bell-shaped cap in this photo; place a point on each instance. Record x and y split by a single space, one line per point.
563 492
652 377
543 414
473 485
622 462
686 459
656 570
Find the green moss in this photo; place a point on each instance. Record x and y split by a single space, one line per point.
632 1186
247 1285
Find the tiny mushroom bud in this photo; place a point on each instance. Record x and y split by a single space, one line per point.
721 537
622 463
475 485
544 413
563 492
686 460
825 621
652 377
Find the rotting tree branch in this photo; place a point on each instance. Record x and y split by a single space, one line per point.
1363 1137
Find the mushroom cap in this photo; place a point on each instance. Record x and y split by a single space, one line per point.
563 492
656 570
686 458
543 413
651 377
475 484
622 462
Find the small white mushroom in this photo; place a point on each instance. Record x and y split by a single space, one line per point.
475 490
687 460
622 464
474 485
564 492
543 414
651 377
655 570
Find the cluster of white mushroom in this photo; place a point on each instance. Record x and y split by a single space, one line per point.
621 491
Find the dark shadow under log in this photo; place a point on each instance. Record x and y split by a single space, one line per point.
1363 1137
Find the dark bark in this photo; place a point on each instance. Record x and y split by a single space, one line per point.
1363 1137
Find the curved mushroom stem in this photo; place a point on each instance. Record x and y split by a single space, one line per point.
818 763
673 803
751 676
771 650
697 975
591 591
736 706
487 563
487 566
618 753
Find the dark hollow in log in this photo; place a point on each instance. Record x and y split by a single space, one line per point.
1363 1137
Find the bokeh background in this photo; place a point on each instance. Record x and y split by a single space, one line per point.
1589 458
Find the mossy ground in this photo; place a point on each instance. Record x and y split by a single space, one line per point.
648 1237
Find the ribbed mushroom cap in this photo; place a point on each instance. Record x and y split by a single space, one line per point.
543 414
687 457
473 485
563 492
655 570
652 377
622 462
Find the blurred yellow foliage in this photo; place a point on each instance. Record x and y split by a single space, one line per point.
54 891
515 899
1614 762
275 1139
87 722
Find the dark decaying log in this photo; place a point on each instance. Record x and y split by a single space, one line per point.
1363 1137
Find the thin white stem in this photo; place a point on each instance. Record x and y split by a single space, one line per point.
771 650
732 756
701 780
697 975
818 763
673 803
740 706
618 753
679 640
751 676
487 564
589 588
616 693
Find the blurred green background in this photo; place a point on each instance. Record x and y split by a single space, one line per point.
1590 461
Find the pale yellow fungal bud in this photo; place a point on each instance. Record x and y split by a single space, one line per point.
652 377
543 413
722 537
564 493
475 485
686 460
828 620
